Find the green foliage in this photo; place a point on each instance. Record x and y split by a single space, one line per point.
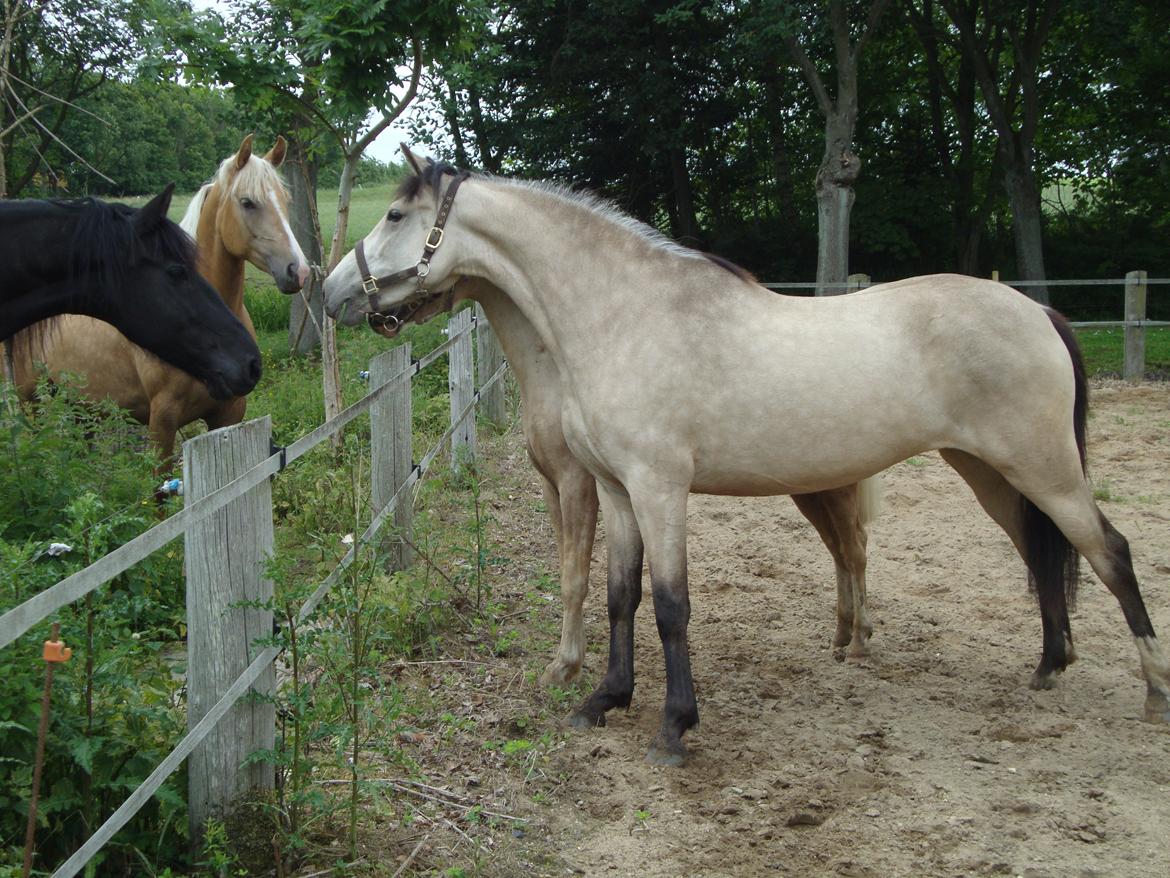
115 705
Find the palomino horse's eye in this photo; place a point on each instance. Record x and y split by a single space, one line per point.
394 215
247 204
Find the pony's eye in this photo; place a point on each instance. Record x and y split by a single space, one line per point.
176 271
247 203
394 215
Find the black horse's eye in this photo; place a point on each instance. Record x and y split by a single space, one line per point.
394 215
247 203
176 271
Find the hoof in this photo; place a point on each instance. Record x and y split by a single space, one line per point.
858 651
580 720
1157 708
843 636
669 754
1041 681
559 674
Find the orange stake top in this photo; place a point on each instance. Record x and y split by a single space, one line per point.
57 651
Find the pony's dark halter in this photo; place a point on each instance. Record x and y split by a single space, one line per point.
386 324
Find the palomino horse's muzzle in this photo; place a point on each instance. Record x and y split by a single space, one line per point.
389 324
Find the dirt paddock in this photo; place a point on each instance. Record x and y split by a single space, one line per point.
931 757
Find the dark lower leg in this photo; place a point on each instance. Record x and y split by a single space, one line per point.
672 610
624 589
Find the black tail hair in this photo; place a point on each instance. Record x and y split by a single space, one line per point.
1053 563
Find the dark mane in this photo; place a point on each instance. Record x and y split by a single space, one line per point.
105 242
411 187
727 265
104 246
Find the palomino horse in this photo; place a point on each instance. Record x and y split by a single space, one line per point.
132 268
679 376
242 215
570 491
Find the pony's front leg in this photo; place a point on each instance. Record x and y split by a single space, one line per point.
662 518
624 591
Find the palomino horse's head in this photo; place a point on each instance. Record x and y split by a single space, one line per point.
399 273
248 203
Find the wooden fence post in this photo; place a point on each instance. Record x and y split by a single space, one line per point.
490 357
1135 333
857 282
391 449
460 382
224 562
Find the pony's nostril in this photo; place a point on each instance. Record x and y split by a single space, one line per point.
254 369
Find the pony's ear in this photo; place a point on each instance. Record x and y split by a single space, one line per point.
148 217
245 152
276 155
411 159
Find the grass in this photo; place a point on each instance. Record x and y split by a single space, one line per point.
1104 350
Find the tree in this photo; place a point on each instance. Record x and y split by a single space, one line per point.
54 54
840 164
1004 43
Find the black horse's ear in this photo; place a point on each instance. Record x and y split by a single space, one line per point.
154 211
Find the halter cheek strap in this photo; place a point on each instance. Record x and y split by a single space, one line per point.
371 285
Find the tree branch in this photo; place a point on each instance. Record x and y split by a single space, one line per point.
411 90
811 76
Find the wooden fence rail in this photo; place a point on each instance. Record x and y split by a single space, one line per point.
227 522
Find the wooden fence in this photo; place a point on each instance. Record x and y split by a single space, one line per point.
227 524
1134 320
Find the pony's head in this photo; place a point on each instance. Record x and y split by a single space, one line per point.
248 203
403 252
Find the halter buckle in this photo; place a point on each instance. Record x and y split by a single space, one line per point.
433 242
370 285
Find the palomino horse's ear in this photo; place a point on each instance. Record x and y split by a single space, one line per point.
245 152
412 159
276 155
148 217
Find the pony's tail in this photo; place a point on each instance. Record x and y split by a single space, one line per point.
1053 563
869 498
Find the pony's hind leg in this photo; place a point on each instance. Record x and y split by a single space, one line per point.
1115 567
1084 526
1004 504
838 519
572 506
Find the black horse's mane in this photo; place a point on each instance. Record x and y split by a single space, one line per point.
104 246
105 242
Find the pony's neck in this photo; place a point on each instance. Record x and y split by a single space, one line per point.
223 270
518 337
563 267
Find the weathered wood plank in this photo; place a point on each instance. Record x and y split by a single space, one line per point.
1135 332
461 383
489 356
224 563
391 448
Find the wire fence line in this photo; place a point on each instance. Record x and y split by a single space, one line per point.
23 617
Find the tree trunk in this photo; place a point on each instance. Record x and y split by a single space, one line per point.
304 323
1024 198
835 178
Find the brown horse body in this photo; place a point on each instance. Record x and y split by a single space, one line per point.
242 215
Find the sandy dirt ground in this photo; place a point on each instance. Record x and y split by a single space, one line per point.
931 757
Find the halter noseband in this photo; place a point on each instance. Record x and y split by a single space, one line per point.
386 324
